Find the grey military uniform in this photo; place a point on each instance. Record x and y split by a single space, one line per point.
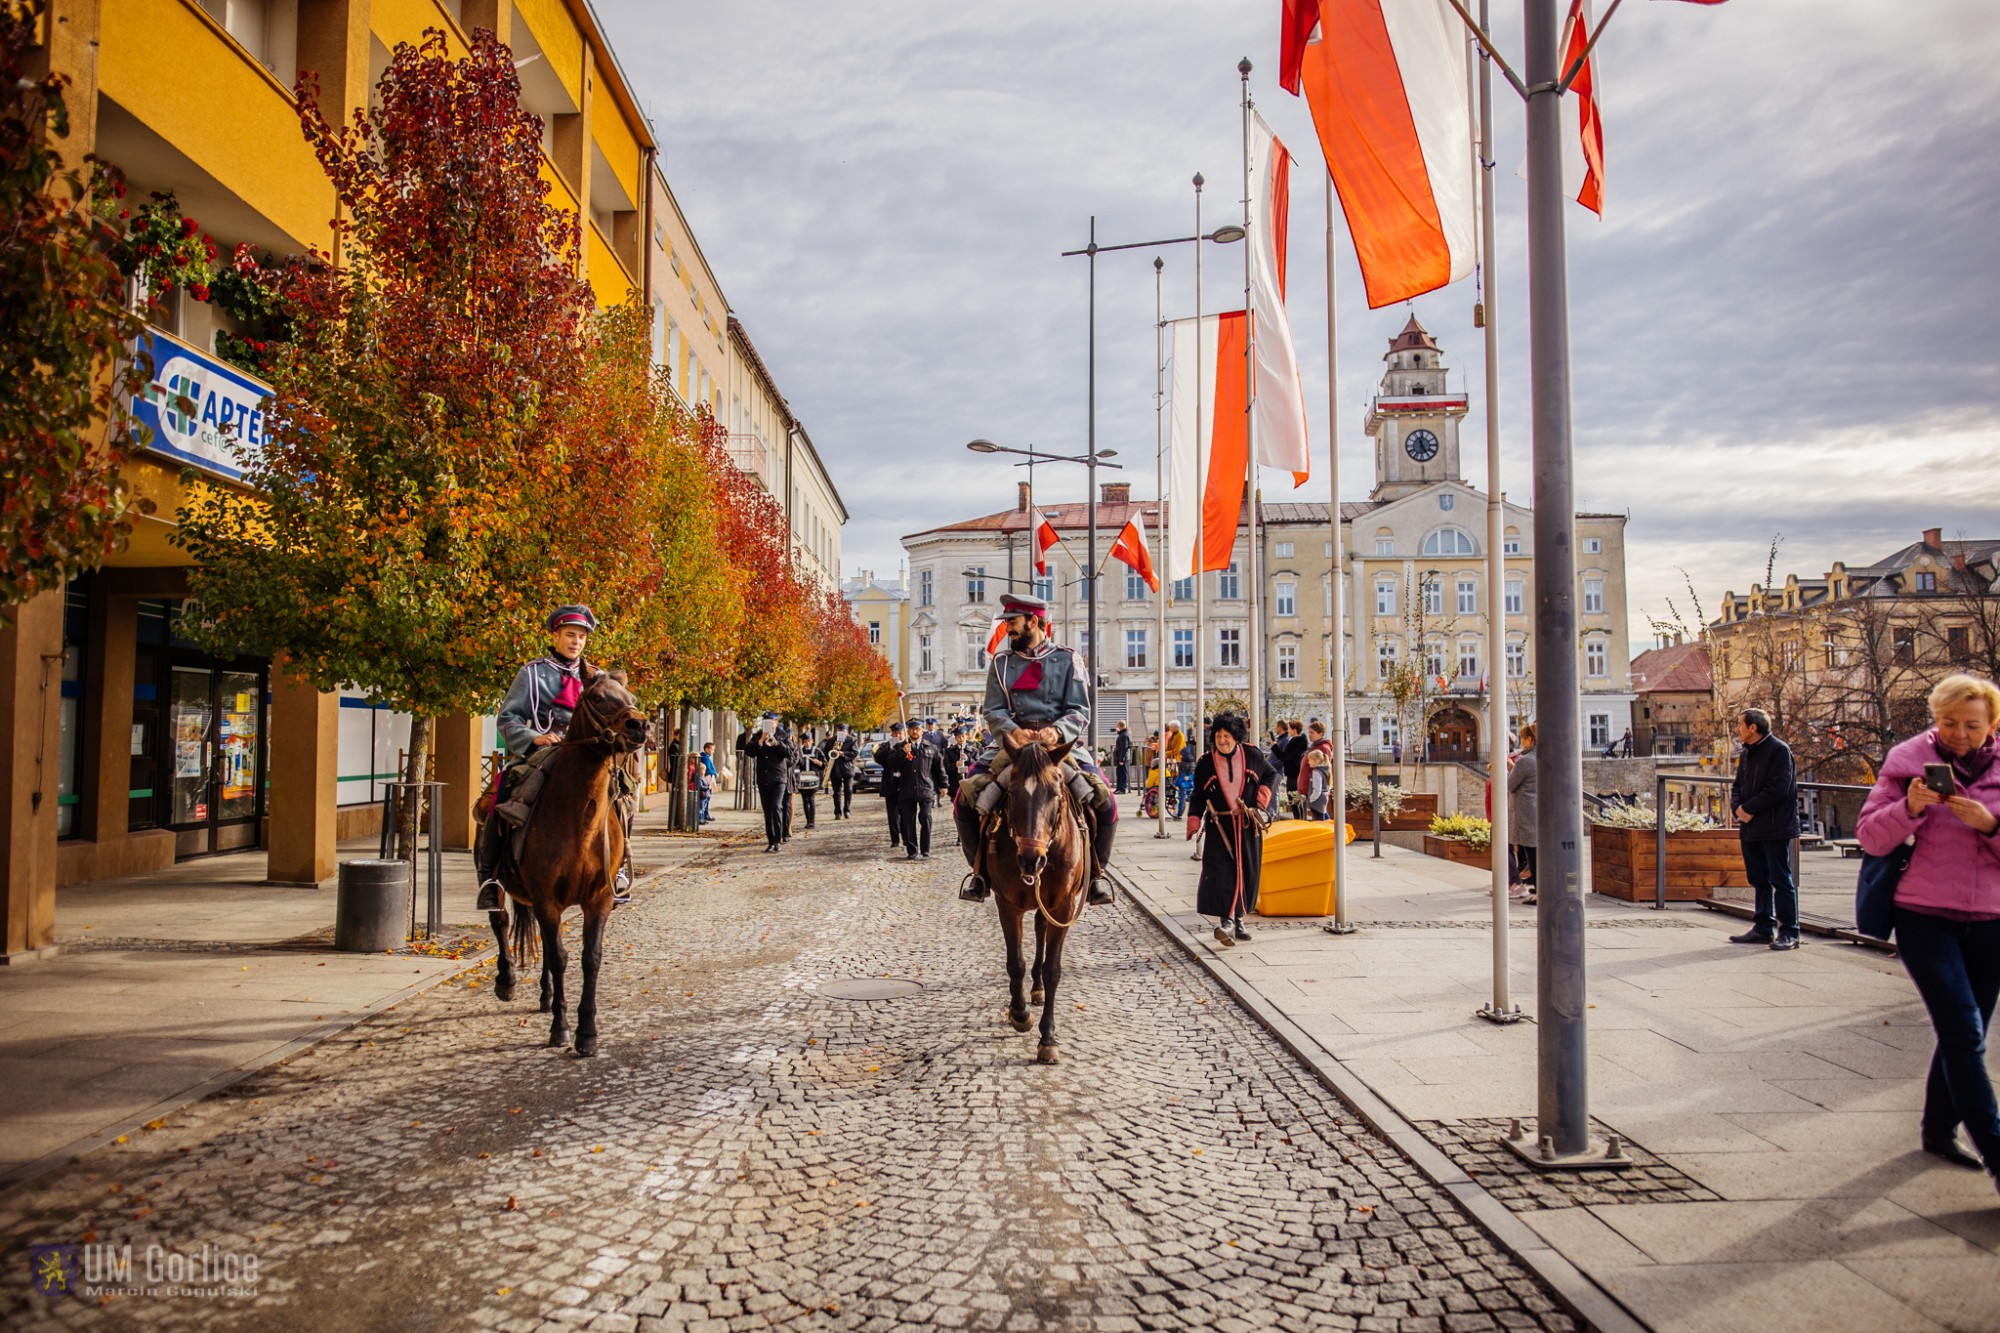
1044 687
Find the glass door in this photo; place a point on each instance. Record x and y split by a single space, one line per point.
191 727
239 711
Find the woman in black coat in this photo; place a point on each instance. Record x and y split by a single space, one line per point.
1230 781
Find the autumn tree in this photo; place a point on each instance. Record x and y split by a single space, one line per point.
848 680
415 480
67 376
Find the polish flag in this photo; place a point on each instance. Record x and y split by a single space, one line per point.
1281 398
1392 101
1131 548
1042 537
997 637
1582 122
1211 486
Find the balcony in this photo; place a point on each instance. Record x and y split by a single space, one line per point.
750 456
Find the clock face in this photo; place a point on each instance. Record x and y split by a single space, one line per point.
1421 445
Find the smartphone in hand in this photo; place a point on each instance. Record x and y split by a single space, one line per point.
1938 778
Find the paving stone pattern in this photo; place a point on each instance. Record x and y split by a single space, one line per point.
1475 1145
747 1153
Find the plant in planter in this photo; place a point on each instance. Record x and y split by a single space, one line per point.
1388 796
246 290
1624 854
170 247
1471 830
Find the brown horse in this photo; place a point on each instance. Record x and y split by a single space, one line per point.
574 846
1037 861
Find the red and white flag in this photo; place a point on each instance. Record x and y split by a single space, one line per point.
1208 458
1281 398
1392 102
1042 535
1132 549
997 637
1582 122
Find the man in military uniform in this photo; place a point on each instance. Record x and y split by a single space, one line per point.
532 718
1036 691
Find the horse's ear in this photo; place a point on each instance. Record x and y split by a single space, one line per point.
1061 752
1008 744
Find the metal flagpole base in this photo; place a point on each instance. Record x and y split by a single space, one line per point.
1493 1015
1340 928
1602 1155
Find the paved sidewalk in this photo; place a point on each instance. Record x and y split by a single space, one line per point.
174 984
1772 1098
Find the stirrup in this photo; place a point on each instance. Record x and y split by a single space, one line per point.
489 896
973 889
1099 894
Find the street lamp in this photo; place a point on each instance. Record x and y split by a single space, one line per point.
1224 235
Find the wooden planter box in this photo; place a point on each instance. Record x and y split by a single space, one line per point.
1419 809
1458 852
1624 863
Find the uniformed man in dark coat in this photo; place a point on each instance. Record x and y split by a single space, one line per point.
777 760
889 782
920 775
846 753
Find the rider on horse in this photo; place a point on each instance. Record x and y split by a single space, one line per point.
532 719
1035 690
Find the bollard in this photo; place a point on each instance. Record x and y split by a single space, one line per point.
373 906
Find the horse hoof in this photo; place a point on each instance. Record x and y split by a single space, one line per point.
1048 1055
586 1046
1036 998
1020 1024
503 991
559 1038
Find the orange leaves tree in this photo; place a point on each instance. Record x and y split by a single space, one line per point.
405 506
848 680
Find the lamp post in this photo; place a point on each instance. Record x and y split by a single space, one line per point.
1092 460
1221 235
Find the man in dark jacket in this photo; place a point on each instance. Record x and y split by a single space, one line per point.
1121 757
777 761
846 759
920 775
1765 797
882 755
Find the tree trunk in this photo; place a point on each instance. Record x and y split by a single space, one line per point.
417 769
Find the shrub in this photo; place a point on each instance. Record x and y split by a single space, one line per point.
1471 830
1643 817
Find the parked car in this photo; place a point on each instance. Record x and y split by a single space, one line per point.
870 776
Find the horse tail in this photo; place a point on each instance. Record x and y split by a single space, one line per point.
527 940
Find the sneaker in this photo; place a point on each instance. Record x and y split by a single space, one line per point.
1785 942
1750 937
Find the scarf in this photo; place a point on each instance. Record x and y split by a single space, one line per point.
1229 774
1966 769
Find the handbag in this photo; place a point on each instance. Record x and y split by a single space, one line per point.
1875 890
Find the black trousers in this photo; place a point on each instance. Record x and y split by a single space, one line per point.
1124 774
809 803
913 821
776 810
889 802
843 795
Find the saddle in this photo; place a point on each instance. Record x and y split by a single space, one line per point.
521 783
983 791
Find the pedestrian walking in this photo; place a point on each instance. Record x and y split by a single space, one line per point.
807 778
1521 816
1939 796
770 748
882 761
1233 786
1626 745
1121 757
920 776
1765 797
840 773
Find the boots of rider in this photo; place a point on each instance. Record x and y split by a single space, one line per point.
967 819
1100 851
483 862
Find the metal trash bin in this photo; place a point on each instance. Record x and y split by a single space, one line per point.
372 911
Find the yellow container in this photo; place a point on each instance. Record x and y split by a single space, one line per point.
1298 869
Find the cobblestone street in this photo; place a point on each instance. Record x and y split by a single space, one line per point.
748 1152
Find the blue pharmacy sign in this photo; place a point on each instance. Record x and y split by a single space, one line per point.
200 410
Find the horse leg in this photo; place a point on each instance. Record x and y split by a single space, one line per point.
1051 979
586 1005
1041 949
553 962
1010 927
503 983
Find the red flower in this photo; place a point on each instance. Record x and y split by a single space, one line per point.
187 226
200 290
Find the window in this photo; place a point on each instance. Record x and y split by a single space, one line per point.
924 588
1511 544
1385 598
1044 587
1183 647
1326 596
1595 659
1904 643
1468 597
924 653
1791 649
1600 730
1926 581
1083 647
1328 552
1364 725
1087 590
1449 541
1135 648
1517 658
975 653
1183 589
1284 550
1385 542
1288 661
1386 653
1392 730
1434 657
1958 643
1593 596
1229 647
1517 595
1593 546
1468 661
874 631
1228 585
1433 597
1287 599
975 584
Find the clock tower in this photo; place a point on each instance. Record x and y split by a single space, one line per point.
1413 418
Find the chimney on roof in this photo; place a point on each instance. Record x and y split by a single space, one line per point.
1116 492
1934 538
1022 506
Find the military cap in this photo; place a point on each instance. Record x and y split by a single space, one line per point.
1021 604
572 615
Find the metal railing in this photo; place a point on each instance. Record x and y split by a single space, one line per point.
1717 809
428 802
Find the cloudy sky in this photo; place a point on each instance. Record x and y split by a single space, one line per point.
1786 323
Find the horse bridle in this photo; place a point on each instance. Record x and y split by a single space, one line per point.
1068 812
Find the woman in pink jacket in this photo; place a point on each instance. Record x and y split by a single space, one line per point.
1948 903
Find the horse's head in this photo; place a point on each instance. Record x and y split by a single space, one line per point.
608 714
1036 801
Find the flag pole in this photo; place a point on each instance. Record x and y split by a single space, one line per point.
1254 650
1498 738
1160 595
1198 724
1336 653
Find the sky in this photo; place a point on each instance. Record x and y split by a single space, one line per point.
1784 327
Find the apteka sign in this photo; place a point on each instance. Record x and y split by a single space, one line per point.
201 411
